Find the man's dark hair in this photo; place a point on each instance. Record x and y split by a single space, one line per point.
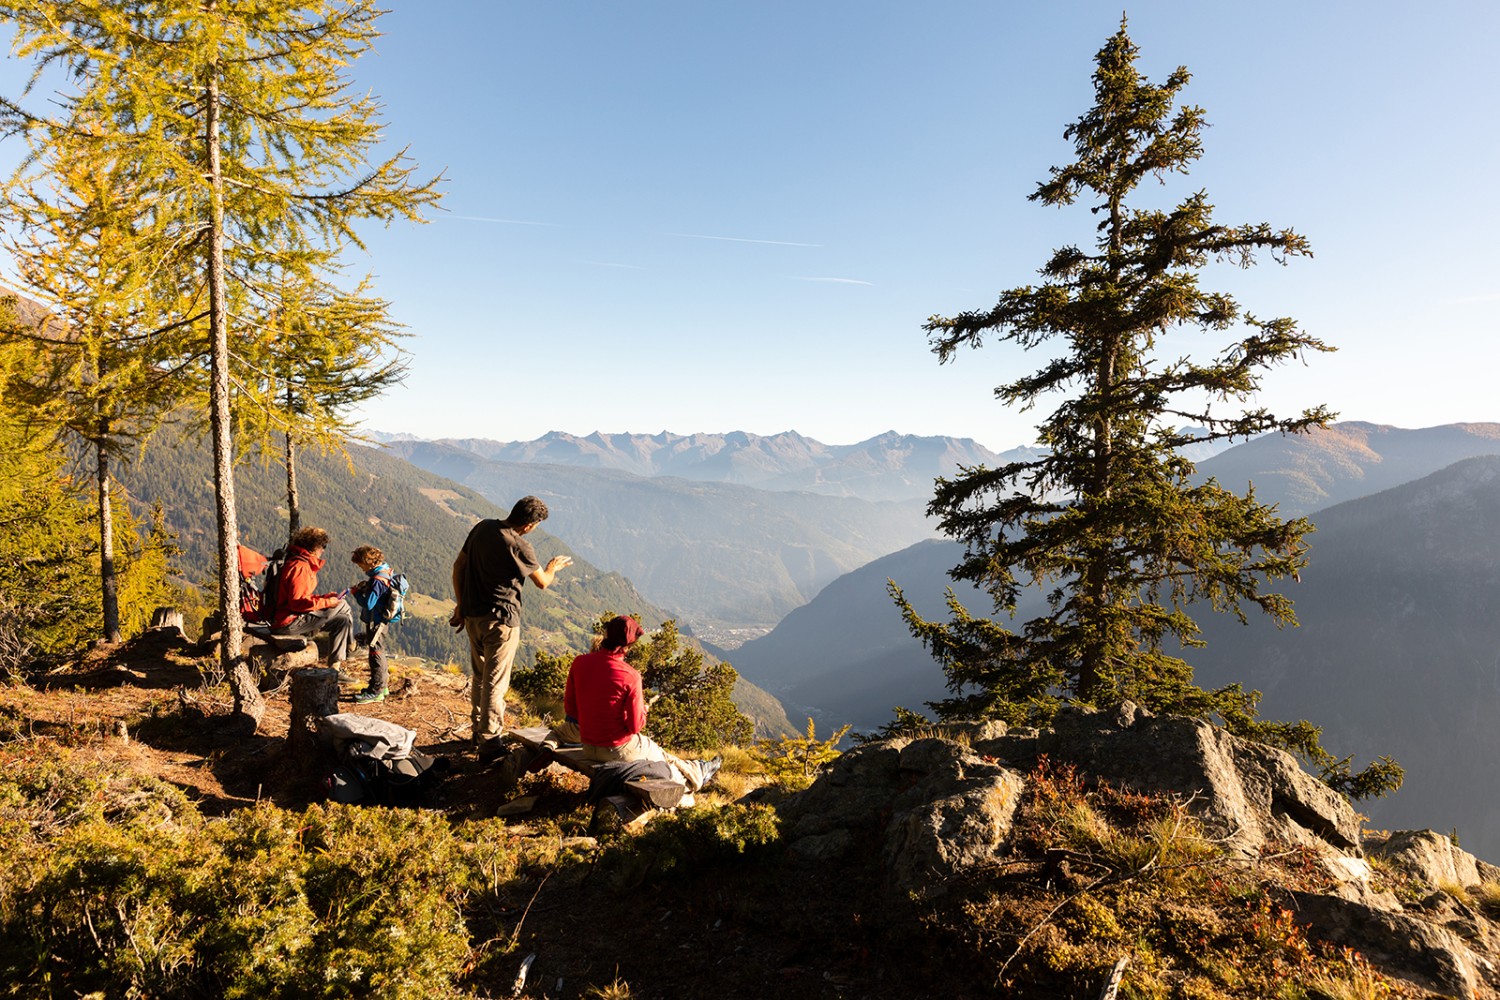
528 510
310 538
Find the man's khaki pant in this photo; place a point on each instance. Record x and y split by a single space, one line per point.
492 649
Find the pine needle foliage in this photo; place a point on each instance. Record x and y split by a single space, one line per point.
258 161
798 759
1110 522
694 710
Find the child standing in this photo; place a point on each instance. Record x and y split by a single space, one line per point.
377 600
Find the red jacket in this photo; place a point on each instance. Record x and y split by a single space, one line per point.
295 586
604 694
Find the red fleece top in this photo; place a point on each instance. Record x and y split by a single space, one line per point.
604 694
294 591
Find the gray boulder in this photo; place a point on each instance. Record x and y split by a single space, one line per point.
938 808
1407 946
1433 859
1245 794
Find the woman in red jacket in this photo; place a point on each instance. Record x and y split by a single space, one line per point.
604 695
300 611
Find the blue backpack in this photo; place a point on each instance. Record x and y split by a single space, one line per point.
398 586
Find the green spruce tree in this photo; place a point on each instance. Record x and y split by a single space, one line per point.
1111 523
1109 518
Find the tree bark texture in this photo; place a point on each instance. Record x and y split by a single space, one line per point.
108 582
293 501
249 707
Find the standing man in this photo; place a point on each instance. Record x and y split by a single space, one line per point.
488 576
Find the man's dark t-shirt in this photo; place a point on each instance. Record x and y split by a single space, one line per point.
499 561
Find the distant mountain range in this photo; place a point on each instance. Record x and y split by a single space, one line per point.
889 466
1398 652
847 656
722 555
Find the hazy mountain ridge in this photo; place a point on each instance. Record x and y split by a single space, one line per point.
1326 466
1398 650
847 655
715 552
889 466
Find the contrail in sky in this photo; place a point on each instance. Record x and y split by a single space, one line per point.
737 239
834 281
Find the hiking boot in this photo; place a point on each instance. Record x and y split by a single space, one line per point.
492 750
707 769
345 677
367 696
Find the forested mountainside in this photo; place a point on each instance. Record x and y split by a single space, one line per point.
419 520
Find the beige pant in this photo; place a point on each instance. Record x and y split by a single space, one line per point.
641 747
492 649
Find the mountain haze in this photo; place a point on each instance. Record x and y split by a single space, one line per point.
1305 472
718 553
847 655
890 466
418 519
1399 646
1398 651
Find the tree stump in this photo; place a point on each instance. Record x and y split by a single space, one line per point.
315 694
271 662
166 618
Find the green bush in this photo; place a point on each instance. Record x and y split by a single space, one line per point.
692 840
544 680
796 759
116 886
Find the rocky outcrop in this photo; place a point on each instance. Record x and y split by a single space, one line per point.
941 810
938 808
1409 946
1243 793
1433 859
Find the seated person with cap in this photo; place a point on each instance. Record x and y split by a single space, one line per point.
604 694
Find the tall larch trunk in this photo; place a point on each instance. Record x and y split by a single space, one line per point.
249 707
293 501
108 581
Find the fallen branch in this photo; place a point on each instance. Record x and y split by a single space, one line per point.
1113 985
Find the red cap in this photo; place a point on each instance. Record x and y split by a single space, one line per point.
621 631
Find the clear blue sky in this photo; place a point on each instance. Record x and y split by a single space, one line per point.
721 216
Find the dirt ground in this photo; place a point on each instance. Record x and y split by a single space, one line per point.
148 700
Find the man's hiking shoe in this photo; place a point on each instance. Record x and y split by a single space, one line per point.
347 678
492 750
367 696
707 769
